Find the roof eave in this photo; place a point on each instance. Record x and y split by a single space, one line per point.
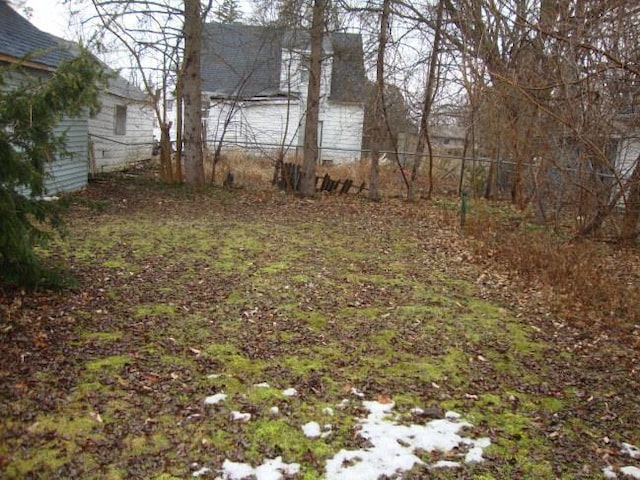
26 63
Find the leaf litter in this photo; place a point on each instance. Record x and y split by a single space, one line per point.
330 297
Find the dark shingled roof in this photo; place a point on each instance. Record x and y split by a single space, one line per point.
20 39
245 60
241 58
348 79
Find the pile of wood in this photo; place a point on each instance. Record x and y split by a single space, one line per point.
292 175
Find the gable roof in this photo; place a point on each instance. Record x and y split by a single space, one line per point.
246 60
241 58
20 39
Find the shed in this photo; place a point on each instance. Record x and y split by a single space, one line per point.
39 54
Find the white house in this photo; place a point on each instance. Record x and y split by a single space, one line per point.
256 77
628 138
121 133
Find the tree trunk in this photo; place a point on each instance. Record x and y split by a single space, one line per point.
379 111
429 91
179 128
166 170
192 94
463 163
310 151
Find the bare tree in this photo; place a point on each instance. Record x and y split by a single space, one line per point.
192 93
155 34
144 34
429 98
379 111
310 151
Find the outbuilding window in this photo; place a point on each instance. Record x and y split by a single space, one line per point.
120 120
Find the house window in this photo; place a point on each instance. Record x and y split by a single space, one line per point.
120 120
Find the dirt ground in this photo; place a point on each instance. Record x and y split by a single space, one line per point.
183 295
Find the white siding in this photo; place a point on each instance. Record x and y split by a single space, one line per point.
341 131
111 151
294 74
69 172
260 124
256 125
627 155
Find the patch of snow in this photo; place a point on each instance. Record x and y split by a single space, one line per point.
240 416
274 411
217 398
452 416
630 450
357 392
262 385
393 445
609 472
311 429
214 375
474 455
235 470
271 469
200 472
417 411
343 404
328 411
290 392
633 472
446 464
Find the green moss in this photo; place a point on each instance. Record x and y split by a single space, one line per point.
220 440
102 336
115 473
302 364
136 445
316 320
552 404
87 389
172 361
239 249
263 395
44 459
276 267
290 440
112 364
300 278
312 475
154 310
116 263
233 362
235 298
67 426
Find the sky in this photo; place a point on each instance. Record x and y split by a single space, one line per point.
50 16
53 17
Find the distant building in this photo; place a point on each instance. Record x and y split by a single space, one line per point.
255 79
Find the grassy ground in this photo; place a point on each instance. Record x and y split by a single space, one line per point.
184 295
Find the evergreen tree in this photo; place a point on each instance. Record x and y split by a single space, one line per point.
28 115
228 12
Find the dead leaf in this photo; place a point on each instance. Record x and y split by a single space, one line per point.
95 416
